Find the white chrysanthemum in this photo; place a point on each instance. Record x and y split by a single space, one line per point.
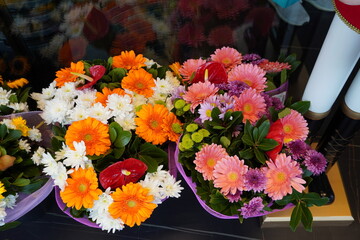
78 113
120 105
99 112
100 214
163 86
8 123
55 111
50 91
150 62
37 156
34 134
155 189
59 155
76 158
19 107
85 98
67 92
2 215
61 176
10 200
138 100
4 96
171 188
24 145
127 122
158 98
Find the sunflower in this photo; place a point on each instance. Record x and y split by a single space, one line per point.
128 60
82 189
149 123
66 74
18 83
94 133
140 82
102 97
132 204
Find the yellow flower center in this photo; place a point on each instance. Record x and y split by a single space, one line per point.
248 82
288 128
140 85
131 203
125 172
233 176
88 137
226 61
248 107
208 113
211 162
154 123
280 177
82 187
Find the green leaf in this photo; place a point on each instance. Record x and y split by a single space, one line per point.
260 156
13 98
306 217
285 200
247 153
301 106
117 74
154 72
3 130
295 217
284 112
255 134
270 86
313 198
215 114
162 72
122 137
267 144
118 152
24 95
263 130
12 136
283 76
10 225
219 127
32 187
77 213
247 139
150 162
112 134
20 182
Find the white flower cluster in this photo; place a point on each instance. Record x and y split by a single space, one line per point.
7 202
5 100
66 104
34 134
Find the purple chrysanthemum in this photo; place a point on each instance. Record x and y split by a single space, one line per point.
272 102
252 58
205 111
234 88
315 162
298 149
255 180
178 92
234 197
253 208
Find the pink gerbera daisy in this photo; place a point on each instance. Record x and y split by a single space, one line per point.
295 127
282 174
251 103
198 92
229 175
207 158
228 56
189 68
250 74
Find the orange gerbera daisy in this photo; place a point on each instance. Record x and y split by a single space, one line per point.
128 60
102 96
172 126
132 204
94 133
18 83
175 68
149 123
65 75
82 189
139 81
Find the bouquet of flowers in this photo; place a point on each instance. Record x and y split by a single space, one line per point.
113 125
20 145
242 151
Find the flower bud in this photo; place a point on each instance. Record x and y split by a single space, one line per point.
6 161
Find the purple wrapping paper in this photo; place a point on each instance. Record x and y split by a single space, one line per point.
172 169
192 186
